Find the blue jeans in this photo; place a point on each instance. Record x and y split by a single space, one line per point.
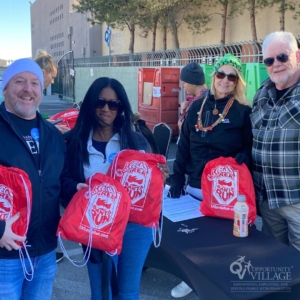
14 286
95 276
129 264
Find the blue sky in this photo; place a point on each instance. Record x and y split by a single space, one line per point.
15 37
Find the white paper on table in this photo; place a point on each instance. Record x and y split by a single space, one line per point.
183 208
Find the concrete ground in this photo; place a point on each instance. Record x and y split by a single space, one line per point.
72 283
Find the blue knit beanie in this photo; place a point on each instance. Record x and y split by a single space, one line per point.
19 66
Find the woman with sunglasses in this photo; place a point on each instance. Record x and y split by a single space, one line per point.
103 128
218 124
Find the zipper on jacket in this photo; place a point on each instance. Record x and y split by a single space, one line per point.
40 175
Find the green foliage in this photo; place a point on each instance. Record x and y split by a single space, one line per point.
287 5
284 5
242 6
170 14
116 13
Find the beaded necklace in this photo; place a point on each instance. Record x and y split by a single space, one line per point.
199 125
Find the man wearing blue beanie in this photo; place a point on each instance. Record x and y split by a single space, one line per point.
31 144
27 78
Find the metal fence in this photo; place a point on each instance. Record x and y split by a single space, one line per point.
247 51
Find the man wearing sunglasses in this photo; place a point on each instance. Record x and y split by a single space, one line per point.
276 131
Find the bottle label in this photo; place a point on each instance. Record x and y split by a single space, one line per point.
240 227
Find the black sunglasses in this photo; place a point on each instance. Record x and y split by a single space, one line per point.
282 57
230 77
113 105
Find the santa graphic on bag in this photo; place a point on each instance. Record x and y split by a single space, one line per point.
135 177
6 202
224 186
101 209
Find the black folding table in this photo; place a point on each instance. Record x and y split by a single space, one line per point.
218 265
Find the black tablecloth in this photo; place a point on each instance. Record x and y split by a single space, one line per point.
203 259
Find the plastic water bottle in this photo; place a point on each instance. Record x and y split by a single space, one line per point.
241 210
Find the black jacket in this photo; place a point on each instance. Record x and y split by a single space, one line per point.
48 180
197 148
140 126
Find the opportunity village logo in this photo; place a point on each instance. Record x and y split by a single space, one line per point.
259 279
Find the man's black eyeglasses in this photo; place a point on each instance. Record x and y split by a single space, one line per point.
113 105
282 57
230 77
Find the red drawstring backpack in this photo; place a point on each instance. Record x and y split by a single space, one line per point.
96 216
69 117
223 179
16 196
138 172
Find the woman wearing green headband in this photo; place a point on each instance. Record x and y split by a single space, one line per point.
218 124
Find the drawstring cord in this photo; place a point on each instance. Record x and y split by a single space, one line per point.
28 274
157 232
87 253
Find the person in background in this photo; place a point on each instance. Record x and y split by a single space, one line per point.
140 126
49 69
276 133
217 124
193 82
103 128
38 148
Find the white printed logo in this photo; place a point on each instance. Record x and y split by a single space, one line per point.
135 177
70 113
240 267
102 208
225 184
6 202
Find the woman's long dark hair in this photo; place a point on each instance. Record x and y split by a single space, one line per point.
88 120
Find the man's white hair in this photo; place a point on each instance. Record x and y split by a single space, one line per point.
281 36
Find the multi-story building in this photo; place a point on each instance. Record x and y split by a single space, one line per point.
57 28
